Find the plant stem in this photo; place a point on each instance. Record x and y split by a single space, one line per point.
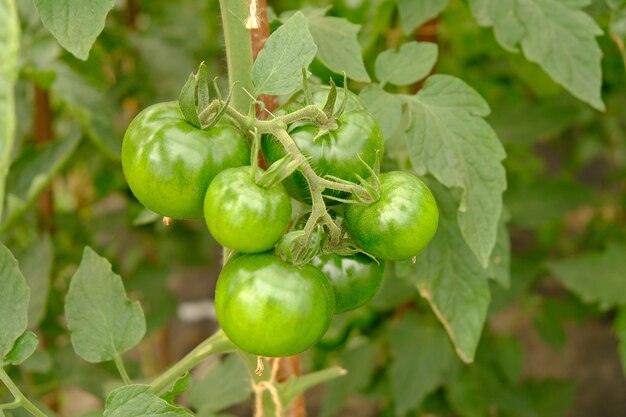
119 363
217 343
238 52
19 397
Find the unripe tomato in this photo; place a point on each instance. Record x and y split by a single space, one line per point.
355 278
400 224
169 164
243 216
268 307
338 152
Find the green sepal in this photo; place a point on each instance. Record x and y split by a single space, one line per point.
278 171
329 107
297 248
187 101
202 88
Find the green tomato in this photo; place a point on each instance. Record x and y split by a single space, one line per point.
244 216
268 307
341 153
169 164
400 224
355 278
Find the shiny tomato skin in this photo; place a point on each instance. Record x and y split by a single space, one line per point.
269 307
400 224
355 278
169 164
337 153
244 216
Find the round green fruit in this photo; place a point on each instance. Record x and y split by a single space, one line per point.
169 164
268 307
244 216
400 224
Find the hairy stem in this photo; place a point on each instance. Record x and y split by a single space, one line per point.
19 397
119 363
217 343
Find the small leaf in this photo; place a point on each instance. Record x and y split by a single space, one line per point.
595 277
181 385
421 359
187 101
337 44
9 55
386 108
450 278
36 265
23 348
415 12
32 172
13 301
412 62
449 139
278 67
103 323
138 401
76 25
202 89
225 383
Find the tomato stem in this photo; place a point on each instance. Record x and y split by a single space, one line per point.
20 399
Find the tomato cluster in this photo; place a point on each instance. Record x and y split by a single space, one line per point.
268 303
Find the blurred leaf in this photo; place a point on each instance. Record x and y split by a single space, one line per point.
448 275
76 25
91 107
23 348
617 26
39 362
408 64
337 44
293 387
551 398
360 363
278 67
413 13
9 53
421 359
148 284
524 272
36 265
138 401
181 385
225 383
554 34
469 392
32 172
595 277
449 139
394 290
103 323
146 216
13 302
619 326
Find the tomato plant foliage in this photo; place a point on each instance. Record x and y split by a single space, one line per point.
364 219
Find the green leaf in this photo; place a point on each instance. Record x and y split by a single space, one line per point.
278 67
595 277
103 323
36 265
404 66
359 361
224 384
449 139
415 12
619 326
181 385
337 44
92 109
553 33
138 401
32 172
500 261
9 54
422 358
13 302
450 278
23 348
75 24
386 108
